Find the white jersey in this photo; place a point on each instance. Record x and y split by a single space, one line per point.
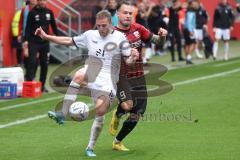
104 54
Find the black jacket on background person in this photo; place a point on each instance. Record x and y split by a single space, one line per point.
173 19
201 18
223 17
39 17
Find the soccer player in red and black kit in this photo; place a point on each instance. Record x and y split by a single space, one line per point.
131 79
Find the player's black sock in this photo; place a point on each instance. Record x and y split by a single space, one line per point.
127 127
120 111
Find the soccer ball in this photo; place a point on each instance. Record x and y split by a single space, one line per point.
79 111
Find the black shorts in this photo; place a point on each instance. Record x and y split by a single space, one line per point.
188 38
133 89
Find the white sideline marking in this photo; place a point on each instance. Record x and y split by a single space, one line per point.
175 84
29 103
225 64
23 121
206 77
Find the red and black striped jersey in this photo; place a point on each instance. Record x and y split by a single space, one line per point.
136 35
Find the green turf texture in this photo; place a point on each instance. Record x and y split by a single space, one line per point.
201 123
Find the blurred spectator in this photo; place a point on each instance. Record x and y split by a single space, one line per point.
39 16
201 24
22 28
155 21
238 7
15 32
100 6
174 33
112 8
188 31
141 18
222 25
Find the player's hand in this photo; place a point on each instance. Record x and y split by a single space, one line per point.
231 28
19 39
162 32
205 27
214 30
134 54
25 49
40 32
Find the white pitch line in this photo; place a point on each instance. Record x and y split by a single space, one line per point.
207 77
175 84
226 63
29 103
23 121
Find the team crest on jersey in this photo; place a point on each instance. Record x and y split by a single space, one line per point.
37 18
48 17
136 34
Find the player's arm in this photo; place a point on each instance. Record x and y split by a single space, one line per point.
160 38
53 24
56 39
215 19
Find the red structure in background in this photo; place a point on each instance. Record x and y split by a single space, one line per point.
7 10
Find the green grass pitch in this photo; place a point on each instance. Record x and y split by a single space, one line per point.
197 120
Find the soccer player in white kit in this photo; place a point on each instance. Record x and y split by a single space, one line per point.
100 73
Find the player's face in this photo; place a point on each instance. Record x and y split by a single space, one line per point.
104 26
33 2
42 3
125 14
112 4
223 1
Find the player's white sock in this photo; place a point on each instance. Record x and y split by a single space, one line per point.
116 141
70 97
226 50
95 131
215 49
144 60
199 55
189 57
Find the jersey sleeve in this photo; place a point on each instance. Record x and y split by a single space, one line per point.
125 46
146 35
80 41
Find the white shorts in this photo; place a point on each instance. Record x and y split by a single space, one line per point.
198 34
100 84
222 33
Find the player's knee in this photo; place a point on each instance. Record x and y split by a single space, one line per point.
134 117
100 112
79 78
127 105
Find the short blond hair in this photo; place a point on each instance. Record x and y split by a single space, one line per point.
104 14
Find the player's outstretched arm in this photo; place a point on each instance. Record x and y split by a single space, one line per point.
56 39
161 37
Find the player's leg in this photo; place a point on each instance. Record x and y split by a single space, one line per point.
218 35
125 104
171 45
179 45
44 58
139 94
129 124
102 104
199 38
226 38
79 80
30 72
